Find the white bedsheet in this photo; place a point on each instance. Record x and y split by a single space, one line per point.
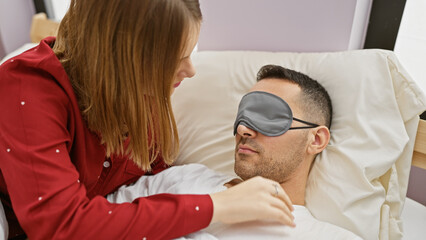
198 179
414 219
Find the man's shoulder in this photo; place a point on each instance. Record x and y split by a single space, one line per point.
184 179
197 178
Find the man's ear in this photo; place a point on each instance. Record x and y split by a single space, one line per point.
321 137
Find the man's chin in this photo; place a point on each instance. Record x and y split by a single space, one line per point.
243 169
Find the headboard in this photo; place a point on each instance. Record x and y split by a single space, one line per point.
42 27
419 155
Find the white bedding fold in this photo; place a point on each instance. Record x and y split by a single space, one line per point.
198 179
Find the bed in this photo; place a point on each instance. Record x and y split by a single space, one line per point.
360 181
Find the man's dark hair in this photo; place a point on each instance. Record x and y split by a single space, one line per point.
316 102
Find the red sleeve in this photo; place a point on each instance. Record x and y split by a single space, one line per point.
43 183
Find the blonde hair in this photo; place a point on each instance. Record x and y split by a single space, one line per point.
121 57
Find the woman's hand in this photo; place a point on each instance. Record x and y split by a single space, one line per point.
255 199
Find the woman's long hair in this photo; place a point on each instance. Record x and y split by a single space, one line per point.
121 57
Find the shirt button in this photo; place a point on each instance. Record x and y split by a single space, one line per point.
107 164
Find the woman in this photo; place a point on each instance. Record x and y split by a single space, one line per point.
89 111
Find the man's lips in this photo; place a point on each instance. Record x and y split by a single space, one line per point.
245 149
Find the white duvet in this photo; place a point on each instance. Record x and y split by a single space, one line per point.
198 179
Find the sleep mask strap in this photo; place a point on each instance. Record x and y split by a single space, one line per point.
311 125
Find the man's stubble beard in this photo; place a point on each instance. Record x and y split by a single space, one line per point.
278 168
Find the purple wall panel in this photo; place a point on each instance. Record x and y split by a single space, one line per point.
15 23
417 185
280 25
2 51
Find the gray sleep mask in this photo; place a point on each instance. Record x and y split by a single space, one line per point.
267 114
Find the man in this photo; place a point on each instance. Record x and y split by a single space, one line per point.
281 125
287 154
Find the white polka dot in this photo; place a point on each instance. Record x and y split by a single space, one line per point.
12 60
57 150
109 212
197 208
99 176
144 238
78 181
107 164
8 150
22 103
40 198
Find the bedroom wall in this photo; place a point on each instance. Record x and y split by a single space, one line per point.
15 23
284 25
410 46
56 9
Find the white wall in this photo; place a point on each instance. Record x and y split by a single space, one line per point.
57 8
410 46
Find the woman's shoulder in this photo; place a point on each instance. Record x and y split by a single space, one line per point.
36 71
38 60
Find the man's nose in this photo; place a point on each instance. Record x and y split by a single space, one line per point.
246 132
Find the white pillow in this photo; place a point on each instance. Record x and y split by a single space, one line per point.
360 180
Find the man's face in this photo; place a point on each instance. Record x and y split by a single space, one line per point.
277 157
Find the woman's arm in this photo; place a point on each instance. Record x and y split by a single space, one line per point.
44 176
